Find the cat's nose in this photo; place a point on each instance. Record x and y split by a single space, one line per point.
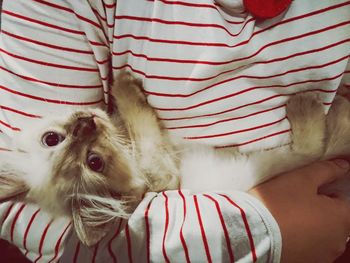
84 126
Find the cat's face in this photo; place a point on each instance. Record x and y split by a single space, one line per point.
80 165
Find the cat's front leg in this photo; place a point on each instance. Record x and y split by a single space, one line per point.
305 113
127 99
154 152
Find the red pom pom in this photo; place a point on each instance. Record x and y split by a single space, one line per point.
266 8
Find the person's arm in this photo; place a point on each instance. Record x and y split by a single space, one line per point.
314 227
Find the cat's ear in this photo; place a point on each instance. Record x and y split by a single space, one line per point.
12 186
93 216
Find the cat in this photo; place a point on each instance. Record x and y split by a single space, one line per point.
95 165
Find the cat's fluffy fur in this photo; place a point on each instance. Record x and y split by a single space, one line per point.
139 156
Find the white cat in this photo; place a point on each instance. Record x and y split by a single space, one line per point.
95 165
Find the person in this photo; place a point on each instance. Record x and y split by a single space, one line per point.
217 72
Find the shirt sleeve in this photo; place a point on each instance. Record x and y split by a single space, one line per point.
177 226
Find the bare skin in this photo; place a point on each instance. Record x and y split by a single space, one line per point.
314 227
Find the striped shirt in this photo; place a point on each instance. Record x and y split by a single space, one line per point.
214 74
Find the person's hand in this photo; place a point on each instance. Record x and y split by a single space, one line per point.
314 227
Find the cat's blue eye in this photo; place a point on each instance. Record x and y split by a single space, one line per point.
51 139
95 162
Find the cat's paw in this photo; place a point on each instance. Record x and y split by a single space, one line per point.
305 112
159 162
128 87
304 105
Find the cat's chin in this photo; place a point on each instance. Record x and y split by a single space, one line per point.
136 189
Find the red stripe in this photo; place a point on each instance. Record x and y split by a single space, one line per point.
254 140
250 104
19 112
110 250
93 23
76 253
82 18
127 234
188 4
7 213
196 5
70 11
294 38
58 244
94 43
48 64
148 233
109 5
278 59
245 76
182 238
204 238
200 6
247 90
169 41
246 225
304 52
235 132
100 17
27 230
55 6
166 227
56 85
72 31
216 44
9 126
255 77
182 23
50 100
62 48
224 72
42 239
227 238
95 253
223 120
100 62
257 127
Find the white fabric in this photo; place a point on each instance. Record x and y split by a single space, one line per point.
213 73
